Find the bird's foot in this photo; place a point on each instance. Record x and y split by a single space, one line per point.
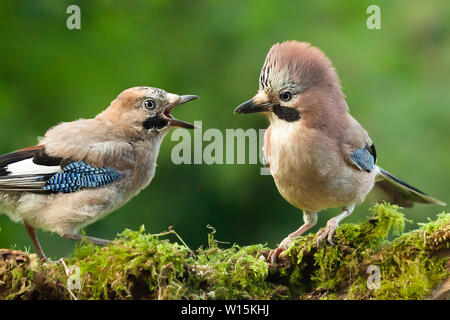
273 258
46 261
42 259
327 232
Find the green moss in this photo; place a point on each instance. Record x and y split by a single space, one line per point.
384 219
134 266
234 273
140 265
144 266
407 268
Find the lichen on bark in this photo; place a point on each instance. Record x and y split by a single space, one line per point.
137 265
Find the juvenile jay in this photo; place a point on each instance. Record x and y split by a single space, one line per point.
83 170
319 156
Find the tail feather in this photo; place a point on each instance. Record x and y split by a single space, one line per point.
390 188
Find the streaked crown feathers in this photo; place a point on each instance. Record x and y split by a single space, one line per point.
296 62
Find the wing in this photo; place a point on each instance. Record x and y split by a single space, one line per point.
358 149
27 169
364 158
33 170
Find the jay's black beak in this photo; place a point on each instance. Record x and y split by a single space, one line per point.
251 107
285 113
181 124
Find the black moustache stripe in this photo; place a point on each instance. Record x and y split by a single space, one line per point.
155 122
286 113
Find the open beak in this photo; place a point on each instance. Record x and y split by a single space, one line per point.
176 100
251 107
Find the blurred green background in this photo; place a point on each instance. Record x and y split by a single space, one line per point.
396 81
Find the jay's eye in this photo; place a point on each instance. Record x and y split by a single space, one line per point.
149 104
286 96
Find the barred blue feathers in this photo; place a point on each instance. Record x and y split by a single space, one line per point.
363 159
79 175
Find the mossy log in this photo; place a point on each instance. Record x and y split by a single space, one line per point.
362 265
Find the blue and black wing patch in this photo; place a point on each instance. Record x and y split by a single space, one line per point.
79 175
33 170
365 158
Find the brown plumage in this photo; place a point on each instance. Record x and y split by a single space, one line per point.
319 156
123 142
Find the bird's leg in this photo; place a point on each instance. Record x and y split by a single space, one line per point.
310 219
35 240
79 237
332 225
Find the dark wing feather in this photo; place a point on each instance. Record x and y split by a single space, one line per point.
390 188
17 156
43 159
26 182
371 149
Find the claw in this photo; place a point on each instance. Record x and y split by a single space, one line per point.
327 232
273 256
330 237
